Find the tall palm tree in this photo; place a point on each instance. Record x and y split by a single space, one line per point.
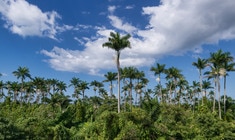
61 86
96 85
216 60
195 89
200 65
22 73
15 87
158 70
75 82
182 84
40 87
173 74
130 73
118 43
205 86
83 85
8 87
110 77
228 66
29 91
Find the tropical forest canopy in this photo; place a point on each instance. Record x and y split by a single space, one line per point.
38 108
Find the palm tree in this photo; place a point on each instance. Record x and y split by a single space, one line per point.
61 86
195 89
200 65
130 73
15 87
217 70
83 85
40 87
110 77
22 73
228 66
158 70
29 91
8 87
118 43
182 84
52 83
75 82
96 85
205 86
173 74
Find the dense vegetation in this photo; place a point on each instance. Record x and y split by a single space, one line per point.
38 108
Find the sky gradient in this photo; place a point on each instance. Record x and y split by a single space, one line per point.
63 39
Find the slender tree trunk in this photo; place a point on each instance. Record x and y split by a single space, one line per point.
111 88
159 82
118 69
215 91
225 94
218 80
130 94
83 94
200 73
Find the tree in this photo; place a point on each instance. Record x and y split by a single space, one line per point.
15 87
228 66
22 73
118 43
40 87
83 85
96 85
158 70
61 86
130 73
110 77
216 60
75 83
173 74
200 65
205 86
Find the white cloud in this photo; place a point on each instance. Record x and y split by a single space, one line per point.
111 9
25 19
175 26
118 23
184 25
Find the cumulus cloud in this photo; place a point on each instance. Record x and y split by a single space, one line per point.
175 27
118 24
183 25
25 19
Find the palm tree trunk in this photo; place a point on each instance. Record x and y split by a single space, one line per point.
130 94
215 91
225 96
201 84
219 97
111 88
118 69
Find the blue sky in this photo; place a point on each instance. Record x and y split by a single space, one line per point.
63 39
